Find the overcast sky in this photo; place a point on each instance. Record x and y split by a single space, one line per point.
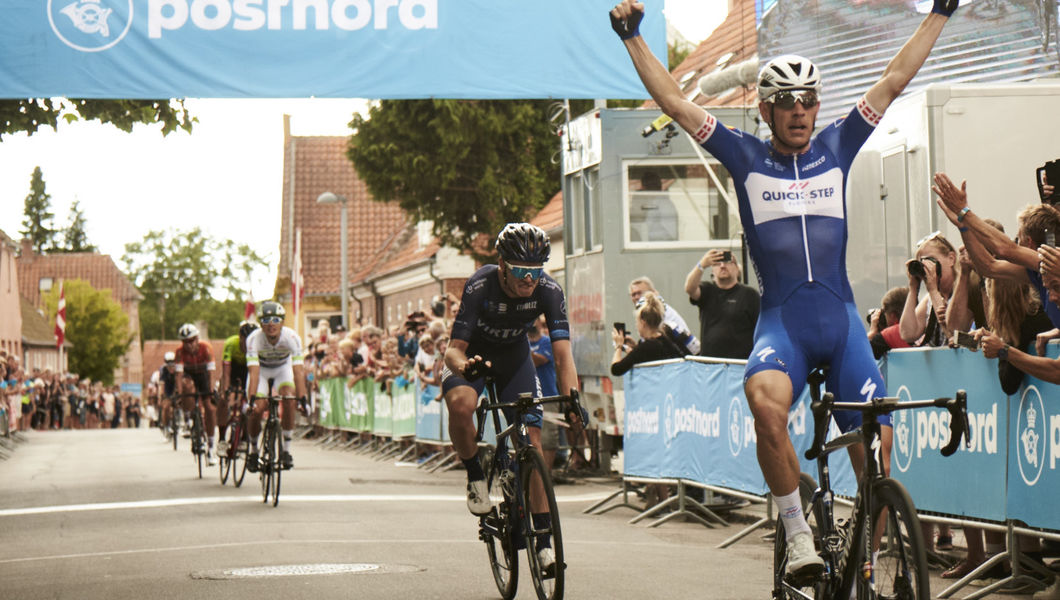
225 177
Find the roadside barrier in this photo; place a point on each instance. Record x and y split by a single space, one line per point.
687 424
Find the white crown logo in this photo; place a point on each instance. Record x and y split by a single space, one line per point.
1032 416
88 16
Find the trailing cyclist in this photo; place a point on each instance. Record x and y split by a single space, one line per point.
234 370
273 352
166 380
194 360
500 303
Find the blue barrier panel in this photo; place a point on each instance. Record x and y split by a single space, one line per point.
1033 453
690 420
974 478
429 415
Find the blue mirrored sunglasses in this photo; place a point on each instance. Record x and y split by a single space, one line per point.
268 320
534 273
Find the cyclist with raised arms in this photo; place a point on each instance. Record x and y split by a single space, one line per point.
234 369
196 365
499 305
273 352
791 192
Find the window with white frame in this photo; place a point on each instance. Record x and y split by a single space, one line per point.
678 204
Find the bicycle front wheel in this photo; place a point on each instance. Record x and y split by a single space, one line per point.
544 541
198 440
224 460
275 467
267 461
784 587
900 569
238 449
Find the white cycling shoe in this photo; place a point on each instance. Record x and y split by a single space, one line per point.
546 559
211 458
803 561
478 498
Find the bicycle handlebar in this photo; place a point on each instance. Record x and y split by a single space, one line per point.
957 407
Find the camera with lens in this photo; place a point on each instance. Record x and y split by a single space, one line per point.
1051 170
416 321
916 268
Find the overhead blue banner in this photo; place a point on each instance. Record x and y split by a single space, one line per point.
322 48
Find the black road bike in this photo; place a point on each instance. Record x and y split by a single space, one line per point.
884 519
234 443
198 431
271 448
510 473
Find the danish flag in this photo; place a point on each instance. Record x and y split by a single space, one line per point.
60 318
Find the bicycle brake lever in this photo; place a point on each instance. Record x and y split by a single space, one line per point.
958 423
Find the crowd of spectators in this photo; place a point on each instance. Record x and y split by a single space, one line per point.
45 400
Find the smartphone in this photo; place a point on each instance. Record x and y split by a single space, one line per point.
1050 238
726 256
620 327
965 340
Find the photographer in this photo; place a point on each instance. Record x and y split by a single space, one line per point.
408 339
728 309
883 322
923 321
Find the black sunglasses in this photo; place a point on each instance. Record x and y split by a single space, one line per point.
787 99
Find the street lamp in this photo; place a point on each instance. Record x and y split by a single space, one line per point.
331 198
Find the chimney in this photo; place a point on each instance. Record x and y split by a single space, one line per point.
26 253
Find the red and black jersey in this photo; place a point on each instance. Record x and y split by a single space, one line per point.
198 359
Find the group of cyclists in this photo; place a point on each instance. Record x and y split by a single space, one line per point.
251 358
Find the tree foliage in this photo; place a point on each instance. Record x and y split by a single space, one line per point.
29 115
75 238
470 166
179 274
37 224
95 325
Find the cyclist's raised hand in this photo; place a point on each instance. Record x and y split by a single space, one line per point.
476 367
626 17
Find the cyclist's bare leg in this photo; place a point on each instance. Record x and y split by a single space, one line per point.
769 398
254 420
461 402
223 412
287 416
538 499
209 418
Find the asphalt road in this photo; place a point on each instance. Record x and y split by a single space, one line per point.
118 514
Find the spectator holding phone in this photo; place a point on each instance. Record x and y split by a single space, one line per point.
728 309
654 344
642 285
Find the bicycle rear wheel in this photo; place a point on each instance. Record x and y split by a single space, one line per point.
498 528
783 587
900 569
542 530
174 430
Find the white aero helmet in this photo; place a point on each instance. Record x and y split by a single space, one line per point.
788 72
187 331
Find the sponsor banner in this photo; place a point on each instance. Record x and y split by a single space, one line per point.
1034 452
429 415
975 476
329 395
319 48
690 420
403 400
382 414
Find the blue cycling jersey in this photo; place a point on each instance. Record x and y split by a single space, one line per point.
793 212
489 315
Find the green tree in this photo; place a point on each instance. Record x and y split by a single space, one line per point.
180 274
37 223
75 239
22 115
467 165
95 325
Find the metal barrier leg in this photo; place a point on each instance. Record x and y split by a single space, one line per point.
624 492
765 521
410 450
683 510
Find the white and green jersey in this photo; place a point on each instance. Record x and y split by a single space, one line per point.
286 350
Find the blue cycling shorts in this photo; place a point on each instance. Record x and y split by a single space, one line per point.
514 371
815 327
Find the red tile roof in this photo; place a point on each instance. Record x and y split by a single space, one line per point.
736 34
319 164
97 269
550 217
400 251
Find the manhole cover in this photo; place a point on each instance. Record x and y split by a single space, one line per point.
309 569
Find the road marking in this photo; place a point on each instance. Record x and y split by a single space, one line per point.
168 502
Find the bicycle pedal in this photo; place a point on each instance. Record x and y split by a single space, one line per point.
805 578
222 447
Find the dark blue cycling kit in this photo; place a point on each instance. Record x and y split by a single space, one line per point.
494 326
793 213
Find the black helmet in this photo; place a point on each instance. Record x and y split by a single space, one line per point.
272 309
524 243
246 328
